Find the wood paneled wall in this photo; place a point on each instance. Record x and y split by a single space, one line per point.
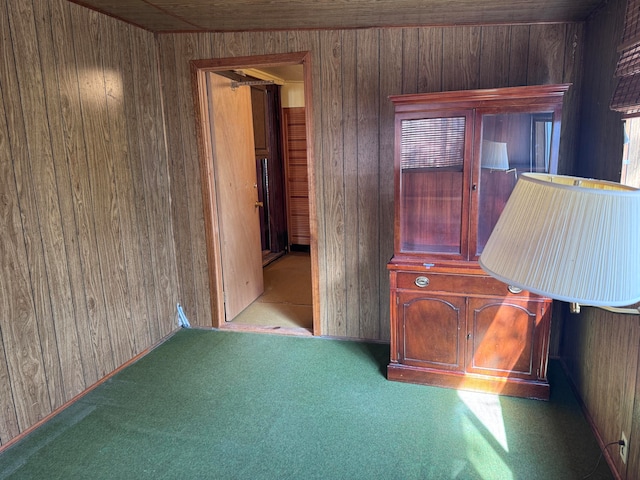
354 72
602 349
94 195
88 276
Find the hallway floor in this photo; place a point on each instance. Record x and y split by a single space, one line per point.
286 301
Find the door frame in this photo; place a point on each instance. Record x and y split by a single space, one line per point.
199 70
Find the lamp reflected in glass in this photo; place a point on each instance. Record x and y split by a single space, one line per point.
570 239
494 155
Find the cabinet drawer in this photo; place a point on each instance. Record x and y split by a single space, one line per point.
462 284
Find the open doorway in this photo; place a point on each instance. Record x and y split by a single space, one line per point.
285 296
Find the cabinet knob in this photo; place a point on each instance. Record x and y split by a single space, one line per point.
513 289
422 281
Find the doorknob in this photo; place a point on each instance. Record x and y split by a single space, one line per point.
259 204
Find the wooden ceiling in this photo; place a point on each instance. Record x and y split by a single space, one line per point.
164 16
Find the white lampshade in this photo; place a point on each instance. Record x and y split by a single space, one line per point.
570 239
494 155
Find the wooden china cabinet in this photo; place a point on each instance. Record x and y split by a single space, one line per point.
457 158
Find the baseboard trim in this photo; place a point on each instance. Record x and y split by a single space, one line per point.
601 443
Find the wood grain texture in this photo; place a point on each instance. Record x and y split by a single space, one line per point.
350 238
390 82
494 68
601 349
117 221
349 74
410 57
29 339
77 320
602 356
232 16
72 127
461 58
333 172
370 323
430 60
546 54
80 130
16 303
47 205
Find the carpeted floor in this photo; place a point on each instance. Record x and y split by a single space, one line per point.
236 405
286 301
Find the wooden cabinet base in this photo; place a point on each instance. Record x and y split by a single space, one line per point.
516 387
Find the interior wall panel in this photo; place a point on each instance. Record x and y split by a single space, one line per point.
352 116
87 251
601 349
104 214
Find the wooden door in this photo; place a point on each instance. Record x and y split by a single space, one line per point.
236 193
432 331
503 337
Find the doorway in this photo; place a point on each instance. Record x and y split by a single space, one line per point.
228 278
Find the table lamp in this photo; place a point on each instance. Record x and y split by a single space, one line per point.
571 239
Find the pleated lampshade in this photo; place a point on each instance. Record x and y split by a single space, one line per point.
569 238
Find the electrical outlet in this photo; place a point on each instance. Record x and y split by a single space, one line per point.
624 448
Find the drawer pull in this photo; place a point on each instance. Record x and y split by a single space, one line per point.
513 289
422 281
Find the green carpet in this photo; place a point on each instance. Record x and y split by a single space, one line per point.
231 405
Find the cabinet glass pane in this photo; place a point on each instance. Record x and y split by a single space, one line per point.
512 143
431 174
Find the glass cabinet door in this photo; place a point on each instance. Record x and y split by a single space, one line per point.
432 175
510 144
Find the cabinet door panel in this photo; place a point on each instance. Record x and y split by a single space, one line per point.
432 331
502 338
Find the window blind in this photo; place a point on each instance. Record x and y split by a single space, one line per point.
432 143
626 97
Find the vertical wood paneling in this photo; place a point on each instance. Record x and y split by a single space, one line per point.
186 49
84 122
333 174
518 53
602 355
102 162
275 42
494 67
40 155
461 58
348 70
75 155
29 340
143 251
546 54
601 349
430 61
120 90
367 233
86 240
18 366
85 364
633 466
390 82
180 207
410 58
350 171
156 179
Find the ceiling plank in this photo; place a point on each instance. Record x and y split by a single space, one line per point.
164 16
